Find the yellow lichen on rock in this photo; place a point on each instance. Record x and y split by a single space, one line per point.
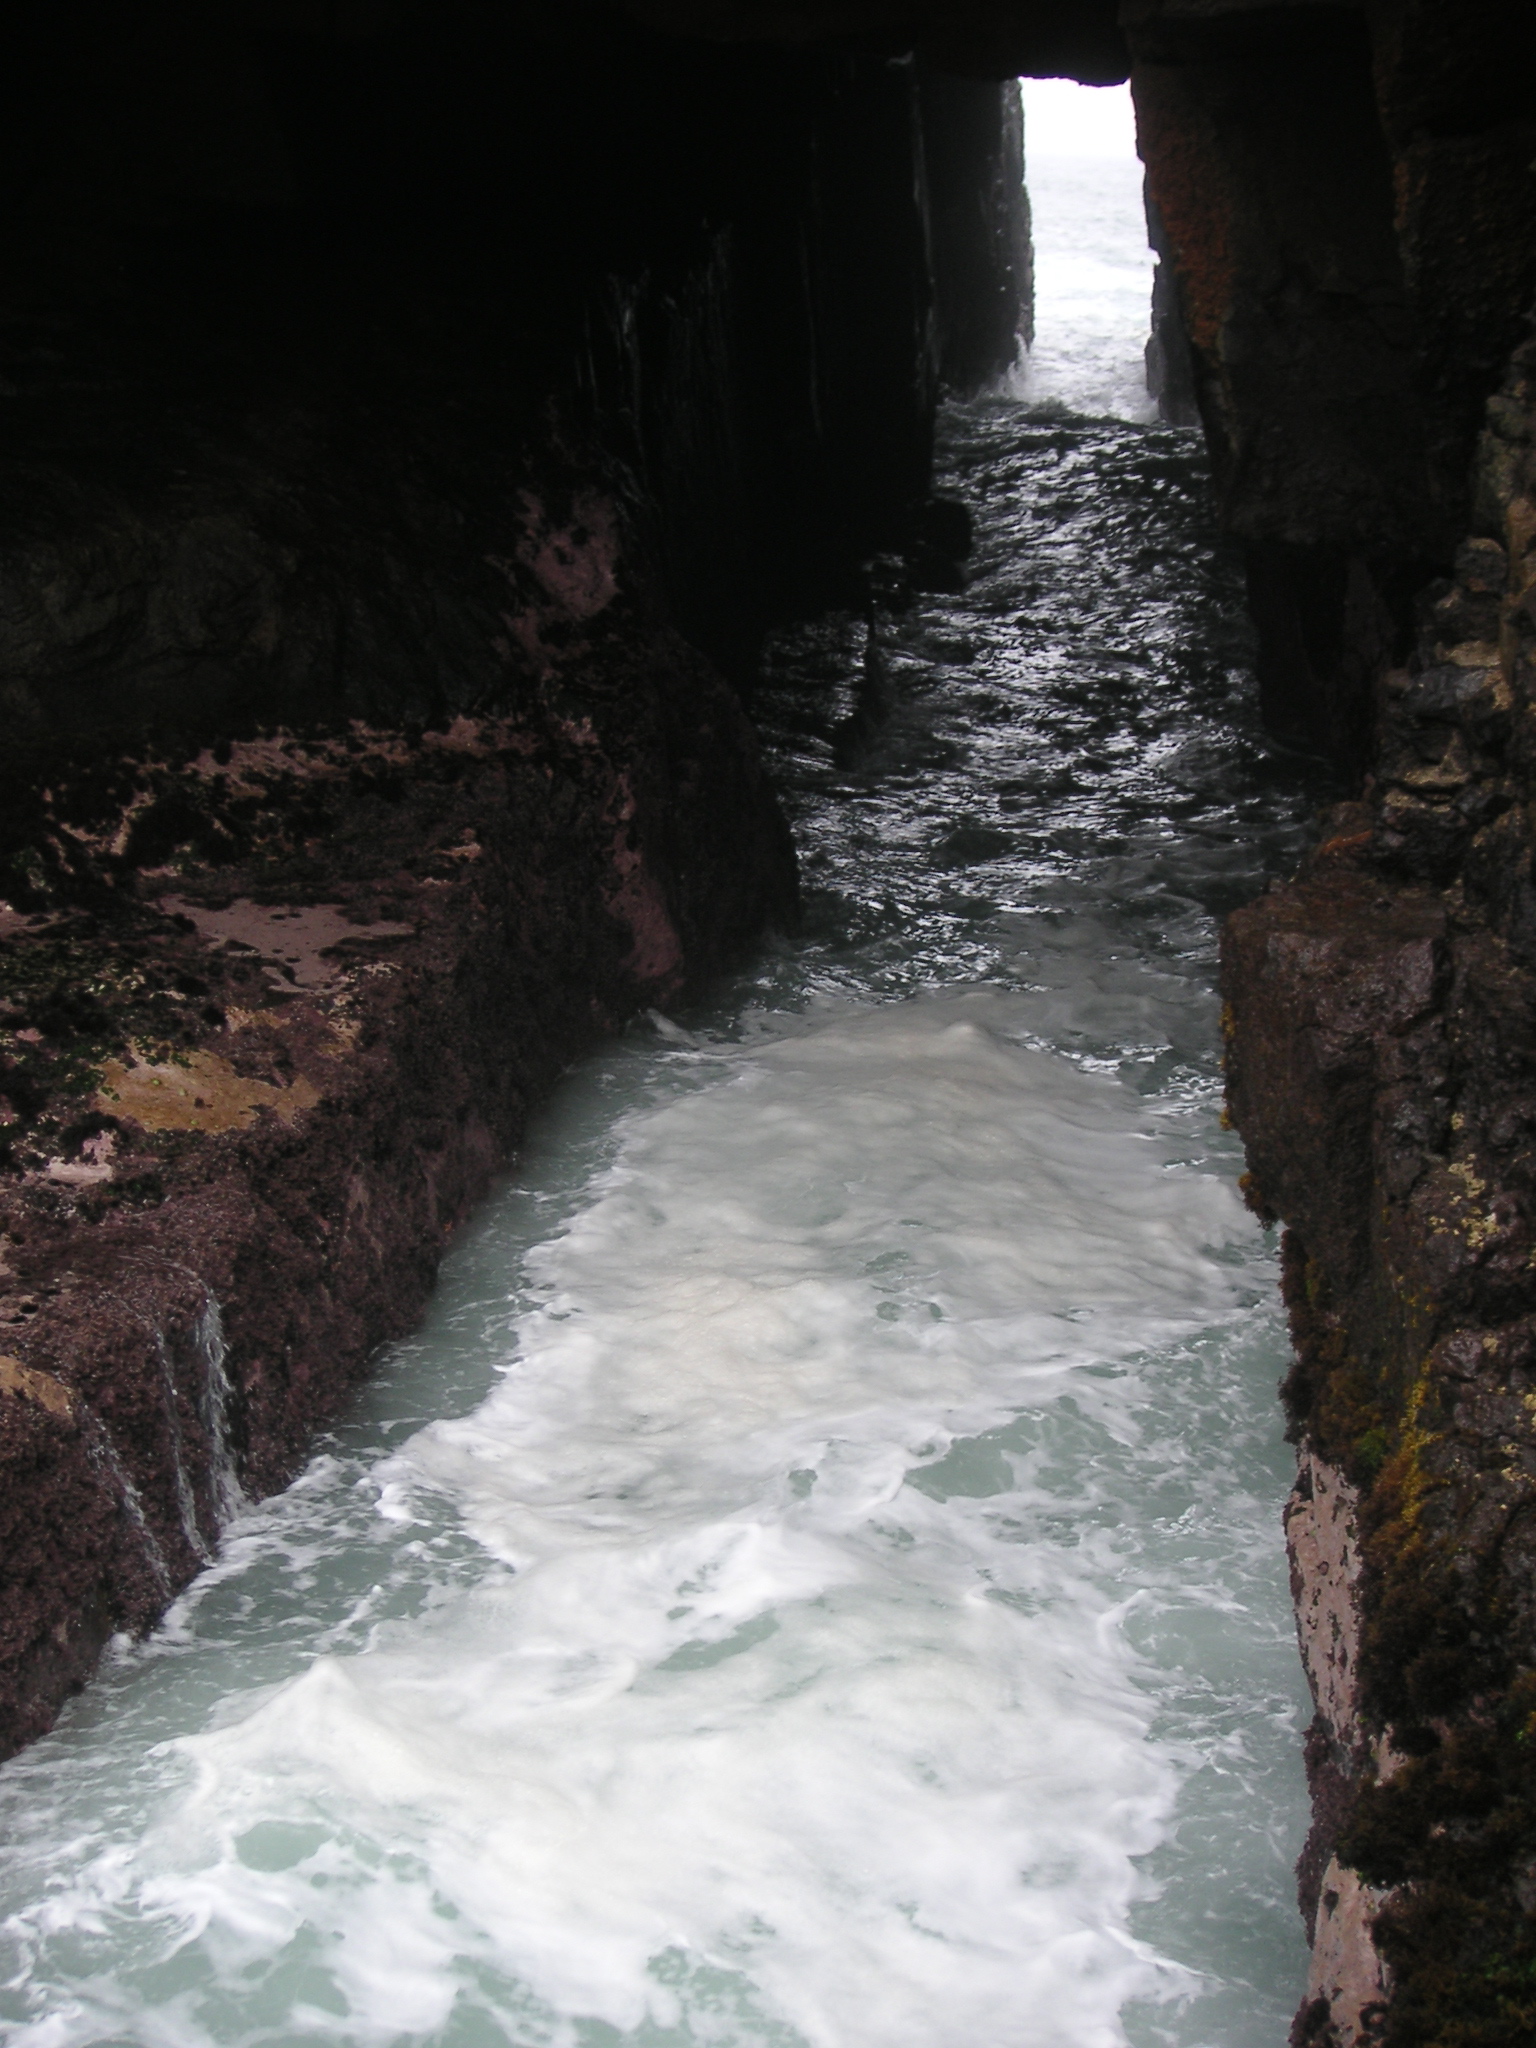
203 1093
31 1385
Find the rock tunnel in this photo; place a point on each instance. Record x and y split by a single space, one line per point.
414 418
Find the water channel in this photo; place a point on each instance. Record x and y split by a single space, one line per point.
815 1579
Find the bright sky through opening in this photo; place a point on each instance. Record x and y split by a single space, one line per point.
1093 270
1062 118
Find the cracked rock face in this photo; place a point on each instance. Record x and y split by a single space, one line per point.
1322 1535
1348 1981
1348 1984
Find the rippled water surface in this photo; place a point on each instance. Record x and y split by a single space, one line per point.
815 1578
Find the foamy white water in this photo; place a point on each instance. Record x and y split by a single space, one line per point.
771 1716
816 1578
1093 287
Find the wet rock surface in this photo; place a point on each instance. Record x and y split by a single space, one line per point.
259 1061
1382 1020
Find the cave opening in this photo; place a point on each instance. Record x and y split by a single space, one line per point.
568 692
796 1473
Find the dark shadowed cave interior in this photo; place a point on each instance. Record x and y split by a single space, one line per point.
414 417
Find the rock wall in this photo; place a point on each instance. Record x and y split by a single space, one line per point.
1347 211
277 1014
1382 1021
1344 197
260 247
984 277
